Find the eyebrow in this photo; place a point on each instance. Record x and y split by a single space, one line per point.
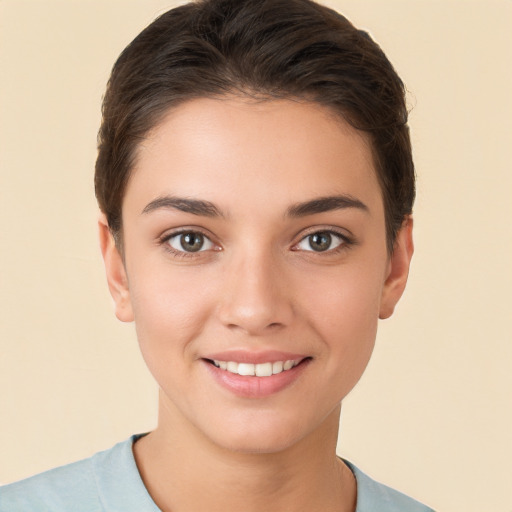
325 204
187 205
207 209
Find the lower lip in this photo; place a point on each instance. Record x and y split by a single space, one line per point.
256 387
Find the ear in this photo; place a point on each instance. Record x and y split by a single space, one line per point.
398 269
116 272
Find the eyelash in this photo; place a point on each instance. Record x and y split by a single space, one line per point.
165 242
345 242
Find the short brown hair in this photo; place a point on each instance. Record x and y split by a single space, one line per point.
269 49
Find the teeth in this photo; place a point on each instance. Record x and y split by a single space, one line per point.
287 365
263 370
277 367
259 370
245 369
231 367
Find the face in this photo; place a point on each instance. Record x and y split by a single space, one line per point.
255 267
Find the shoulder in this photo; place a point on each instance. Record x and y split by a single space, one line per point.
373 496
84 486
70 487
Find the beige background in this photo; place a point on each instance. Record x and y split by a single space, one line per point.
432 416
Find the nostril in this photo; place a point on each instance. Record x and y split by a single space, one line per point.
253 310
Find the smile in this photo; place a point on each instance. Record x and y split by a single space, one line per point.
258 370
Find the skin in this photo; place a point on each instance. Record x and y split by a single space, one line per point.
259 285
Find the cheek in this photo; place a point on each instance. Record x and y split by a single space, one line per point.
345 316
170 310
349 297
353 313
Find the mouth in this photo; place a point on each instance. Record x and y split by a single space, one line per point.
265 369
252 374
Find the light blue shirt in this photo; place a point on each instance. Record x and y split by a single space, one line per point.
110 482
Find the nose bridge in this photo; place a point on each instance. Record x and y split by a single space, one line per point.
255 296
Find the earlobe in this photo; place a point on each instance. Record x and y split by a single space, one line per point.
116 272
398 269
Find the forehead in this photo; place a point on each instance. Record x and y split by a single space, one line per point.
268 152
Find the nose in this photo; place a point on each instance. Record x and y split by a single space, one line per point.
257 296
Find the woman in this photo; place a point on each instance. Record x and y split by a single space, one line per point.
256 185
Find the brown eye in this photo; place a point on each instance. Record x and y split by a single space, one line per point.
190 241
321 241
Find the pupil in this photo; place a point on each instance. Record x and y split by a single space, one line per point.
320 241
192 242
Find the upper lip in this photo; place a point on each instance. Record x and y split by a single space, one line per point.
254 357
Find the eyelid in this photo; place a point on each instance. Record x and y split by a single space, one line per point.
168 235
207 243
346 239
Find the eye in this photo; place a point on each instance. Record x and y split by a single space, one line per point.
190 241
321 241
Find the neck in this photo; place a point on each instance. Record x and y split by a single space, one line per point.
183 472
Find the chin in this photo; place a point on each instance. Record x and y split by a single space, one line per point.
258 444
267 434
